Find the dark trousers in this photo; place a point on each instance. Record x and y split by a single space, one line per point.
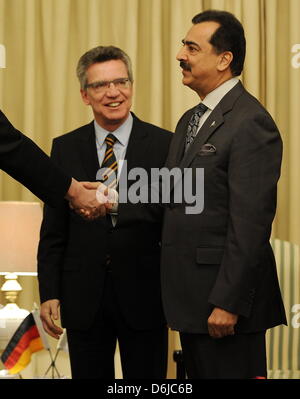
238 356
143 353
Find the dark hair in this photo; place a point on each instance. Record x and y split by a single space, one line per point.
101 54
228 37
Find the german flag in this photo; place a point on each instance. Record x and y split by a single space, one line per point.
25 341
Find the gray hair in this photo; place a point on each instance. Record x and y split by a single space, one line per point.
101 54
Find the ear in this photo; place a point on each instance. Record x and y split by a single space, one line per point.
225 61
84 96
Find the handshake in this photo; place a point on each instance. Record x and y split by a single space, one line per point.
91 200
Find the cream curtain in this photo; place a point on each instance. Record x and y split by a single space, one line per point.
44 39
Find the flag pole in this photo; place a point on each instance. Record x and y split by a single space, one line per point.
52 366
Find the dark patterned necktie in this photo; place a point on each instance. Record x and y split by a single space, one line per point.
109 164
193 124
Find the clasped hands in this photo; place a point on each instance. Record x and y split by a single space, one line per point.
91 199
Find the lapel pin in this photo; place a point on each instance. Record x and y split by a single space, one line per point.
213 123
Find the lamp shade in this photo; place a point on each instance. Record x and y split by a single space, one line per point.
19 236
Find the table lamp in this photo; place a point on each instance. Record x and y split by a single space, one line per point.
19 236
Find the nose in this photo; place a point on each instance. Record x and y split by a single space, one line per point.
112 91
181 55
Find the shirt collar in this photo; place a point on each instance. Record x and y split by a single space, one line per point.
122 133
214 97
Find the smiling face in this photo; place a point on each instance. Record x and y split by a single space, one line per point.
202 68
111 105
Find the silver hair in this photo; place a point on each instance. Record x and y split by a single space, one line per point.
101 54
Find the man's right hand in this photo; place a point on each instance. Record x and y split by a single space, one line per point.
49 312
106 195
84 201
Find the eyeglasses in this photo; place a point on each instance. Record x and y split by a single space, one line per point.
102 86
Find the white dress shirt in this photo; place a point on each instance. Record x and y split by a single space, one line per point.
122 135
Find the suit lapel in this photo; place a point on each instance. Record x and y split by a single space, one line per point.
88 151
211 125
135 156
137 145
213 122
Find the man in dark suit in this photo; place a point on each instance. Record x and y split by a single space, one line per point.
104 275
219 281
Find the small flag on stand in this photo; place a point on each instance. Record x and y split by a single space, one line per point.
62 344
25 341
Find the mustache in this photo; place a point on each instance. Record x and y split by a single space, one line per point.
184 65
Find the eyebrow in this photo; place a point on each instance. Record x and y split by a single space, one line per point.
190 43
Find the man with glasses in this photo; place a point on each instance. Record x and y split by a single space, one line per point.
103 276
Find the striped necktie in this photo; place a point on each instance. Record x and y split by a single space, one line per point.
109 164
193 124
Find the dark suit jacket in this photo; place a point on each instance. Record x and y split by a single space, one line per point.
222 256
22 159
72 251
